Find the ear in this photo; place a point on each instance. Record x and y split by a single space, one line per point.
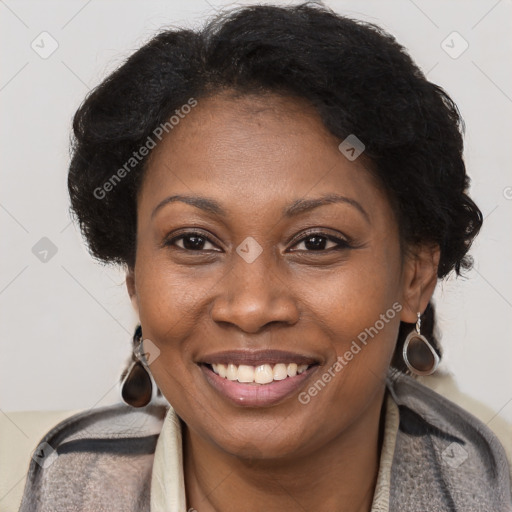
419 280
132 290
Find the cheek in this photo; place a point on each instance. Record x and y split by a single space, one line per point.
172 303
358 311
355 294
357 307
171 297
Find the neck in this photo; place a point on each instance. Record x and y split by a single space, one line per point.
341 475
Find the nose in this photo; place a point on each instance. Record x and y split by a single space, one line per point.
254 295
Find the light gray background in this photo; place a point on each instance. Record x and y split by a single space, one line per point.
66 324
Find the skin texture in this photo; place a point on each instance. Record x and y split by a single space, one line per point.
255 156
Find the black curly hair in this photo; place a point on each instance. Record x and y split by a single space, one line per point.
356 76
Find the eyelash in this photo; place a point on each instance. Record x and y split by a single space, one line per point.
341 243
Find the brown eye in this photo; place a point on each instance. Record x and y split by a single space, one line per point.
191 241
321 242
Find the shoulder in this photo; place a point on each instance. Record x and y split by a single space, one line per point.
456 457
437 411
100 459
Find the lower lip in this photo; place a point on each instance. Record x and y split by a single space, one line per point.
256 395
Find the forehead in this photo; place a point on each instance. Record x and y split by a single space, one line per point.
255 149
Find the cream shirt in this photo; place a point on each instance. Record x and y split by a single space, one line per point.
168 484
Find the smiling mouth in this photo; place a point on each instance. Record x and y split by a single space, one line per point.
257 378
261 374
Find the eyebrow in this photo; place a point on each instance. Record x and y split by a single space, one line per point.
299 206
204 203
303 205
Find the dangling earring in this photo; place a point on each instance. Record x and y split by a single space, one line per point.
137 386
418 354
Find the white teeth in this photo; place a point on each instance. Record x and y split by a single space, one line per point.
222 370
262 374
280 371
300 368
291 369
245 373
231 371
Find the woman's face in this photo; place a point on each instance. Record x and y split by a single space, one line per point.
244 270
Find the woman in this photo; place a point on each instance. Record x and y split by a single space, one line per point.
284 188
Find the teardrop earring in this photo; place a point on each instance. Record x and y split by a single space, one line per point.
136 385
418 354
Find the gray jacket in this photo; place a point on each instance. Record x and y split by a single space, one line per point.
445 459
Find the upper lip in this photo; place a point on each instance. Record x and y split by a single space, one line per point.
257 357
